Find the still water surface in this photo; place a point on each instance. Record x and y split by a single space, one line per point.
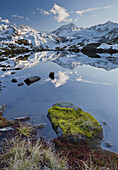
93 89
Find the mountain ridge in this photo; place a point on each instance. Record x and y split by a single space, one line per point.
65 35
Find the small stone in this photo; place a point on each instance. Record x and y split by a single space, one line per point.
108 145
13 80
20 84
13 72
104 123
51 75
3 86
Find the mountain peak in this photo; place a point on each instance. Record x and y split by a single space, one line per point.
109 23
66 29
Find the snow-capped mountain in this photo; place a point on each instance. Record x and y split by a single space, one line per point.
67 35
107 32
66 30
12 33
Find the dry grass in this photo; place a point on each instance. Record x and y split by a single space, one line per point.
23 155
89 165
20 153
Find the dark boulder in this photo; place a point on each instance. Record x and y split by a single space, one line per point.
14 81
51 75
31 80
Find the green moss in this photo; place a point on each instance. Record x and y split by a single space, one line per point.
73 122
4 122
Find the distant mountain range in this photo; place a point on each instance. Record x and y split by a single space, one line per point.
66 35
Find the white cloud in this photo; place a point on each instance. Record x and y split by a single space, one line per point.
92 9
33 12
20 17
70 20
4 20
14 16
60 13
86 10
44 12
105 7
27 19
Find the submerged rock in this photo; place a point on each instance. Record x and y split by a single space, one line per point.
51 75
104 123
20 84
39 126
75 123
108 145
31 80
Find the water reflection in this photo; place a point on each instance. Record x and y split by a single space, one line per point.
90 83
65 60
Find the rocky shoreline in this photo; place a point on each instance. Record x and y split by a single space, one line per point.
79 137
22 46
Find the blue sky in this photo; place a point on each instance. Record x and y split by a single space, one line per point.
47 15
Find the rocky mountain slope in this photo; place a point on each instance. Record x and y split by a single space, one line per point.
65 36
10 33
102 33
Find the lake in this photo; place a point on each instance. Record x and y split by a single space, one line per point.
89 83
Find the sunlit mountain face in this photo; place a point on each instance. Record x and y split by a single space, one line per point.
66 35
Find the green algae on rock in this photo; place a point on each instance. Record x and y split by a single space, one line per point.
74 123
4 122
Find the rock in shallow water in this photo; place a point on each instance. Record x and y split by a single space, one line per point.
73 121
14 81
108 145
22 118
20 84
31 80
39 126
51 75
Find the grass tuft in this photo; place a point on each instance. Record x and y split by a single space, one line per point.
24 155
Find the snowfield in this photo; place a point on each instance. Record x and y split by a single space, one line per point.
66 35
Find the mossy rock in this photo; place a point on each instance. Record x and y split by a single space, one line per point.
74 122
4 122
